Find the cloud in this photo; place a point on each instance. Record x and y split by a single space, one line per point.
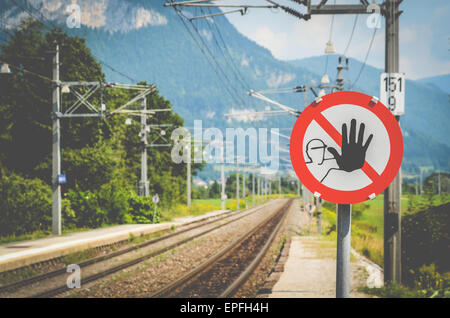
244 61
245 115
280 79
276 42
109 15
206 34
145 17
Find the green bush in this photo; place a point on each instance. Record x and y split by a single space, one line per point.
88 212
113 198
142 209
425 241
25 205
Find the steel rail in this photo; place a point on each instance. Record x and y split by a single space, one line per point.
16 285
233 287
211 261
114 269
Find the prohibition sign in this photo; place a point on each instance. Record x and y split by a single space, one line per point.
346 147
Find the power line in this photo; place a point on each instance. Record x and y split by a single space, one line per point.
351 35
365 59
217 63
180 15
245 84
232 65
21 69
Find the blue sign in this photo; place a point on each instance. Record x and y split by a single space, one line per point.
61 178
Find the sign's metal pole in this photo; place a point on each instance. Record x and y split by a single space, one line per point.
344 215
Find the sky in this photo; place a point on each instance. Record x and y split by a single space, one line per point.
424 34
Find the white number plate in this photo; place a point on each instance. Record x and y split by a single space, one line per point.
392 92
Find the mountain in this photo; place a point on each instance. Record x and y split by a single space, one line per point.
148 41
441 81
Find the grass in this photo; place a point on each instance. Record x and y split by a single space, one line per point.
199 207
368 227
43 234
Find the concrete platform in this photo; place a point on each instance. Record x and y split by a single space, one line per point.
18 254
310 271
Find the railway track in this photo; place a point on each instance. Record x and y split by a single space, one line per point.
14 287
223 273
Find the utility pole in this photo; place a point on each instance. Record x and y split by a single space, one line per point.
279 187
439 182
259 189
340 77
222 179
56 156
237 186
417 190
144 186
319 216
421 181
392 207
188 174
253 189
243 188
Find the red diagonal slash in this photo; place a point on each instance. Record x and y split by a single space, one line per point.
337 137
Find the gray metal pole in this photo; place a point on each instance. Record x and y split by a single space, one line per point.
144 187
392 208
253 189
421 183
237 187
188 181
417 189
439 183
298 188
344 215
279 186
243 188
259 189
56 156
319 216
222 178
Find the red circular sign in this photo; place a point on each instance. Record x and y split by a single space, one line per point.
378 180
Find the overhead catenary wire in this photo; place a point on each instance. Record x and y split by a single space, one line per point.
239 98
236 71
208 59
365 59
351 35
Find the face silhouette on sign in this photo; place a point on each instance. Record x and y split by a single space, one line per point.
346 147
